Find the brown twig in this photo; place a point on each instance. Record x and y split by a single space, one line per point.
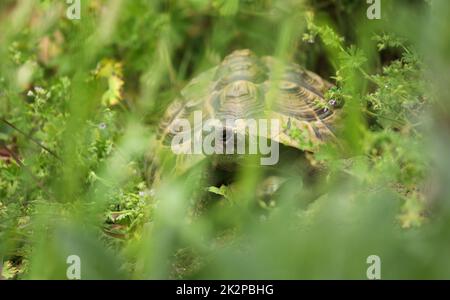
23 166
31 138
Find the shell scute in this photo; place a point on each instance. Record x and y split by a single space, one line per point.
246 86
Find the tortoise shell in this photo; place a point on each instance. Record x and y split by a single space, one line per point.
245 86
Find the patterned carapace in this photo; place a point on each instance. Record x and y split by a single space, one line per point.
246 86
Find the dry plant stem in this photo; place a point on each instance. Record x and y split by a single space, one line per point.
31 138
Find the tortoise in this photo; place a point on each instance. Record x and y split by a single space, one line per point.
242 87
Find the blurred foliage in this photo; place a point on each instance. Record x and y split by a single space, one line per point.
80 102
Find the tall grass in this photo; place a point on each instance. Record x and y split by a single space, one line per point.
80 102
